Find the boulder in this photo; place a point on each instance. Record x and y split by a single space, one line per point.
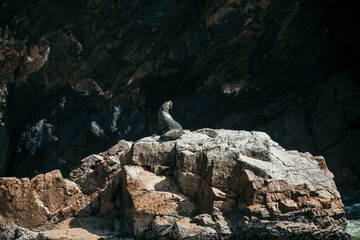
49 199
147 196
32 202
208 184
245 177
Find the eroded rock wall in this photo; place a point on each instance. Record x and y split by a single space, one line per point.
95 72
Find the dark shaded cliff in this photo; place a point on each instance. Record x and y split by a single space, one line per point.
77 76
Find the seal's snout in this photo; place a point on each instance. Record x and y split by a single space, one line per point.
170 104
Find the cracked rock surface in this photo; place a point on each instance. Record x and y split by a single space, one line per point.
209 184
96 72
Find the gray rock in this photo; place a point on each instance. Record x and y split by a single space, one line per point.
244 179
184 229
209 184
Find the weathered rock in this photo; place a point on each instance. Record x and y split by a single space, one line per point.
89 228
244 179
35 141
184 229
148 152
10 230
208 184
98 71
3 147
99 176
147 195
48 199
32 202
4 142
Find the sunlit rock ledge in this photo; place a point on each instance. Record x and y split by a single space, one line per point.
209 184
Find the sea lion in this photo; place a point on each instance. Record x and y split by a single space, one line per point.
167 124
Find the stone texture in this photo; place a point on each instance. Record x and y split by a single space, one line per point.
32 202
10 230
208 184
3 148
238 175
4 142
184 229
147 195
89 228
50 202
98 71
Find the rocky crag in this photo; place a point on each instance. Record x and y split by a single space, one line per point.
77 77
209 184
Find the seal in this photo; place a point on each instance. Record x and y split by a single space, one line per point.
167 124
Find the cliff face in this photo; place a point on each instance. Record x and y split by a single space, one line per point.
78 77
209 184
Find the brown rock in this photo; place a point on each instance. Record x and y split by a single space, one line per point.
184 229
225 174
286 205
188 182
148 152
147 195
228 185
188 161
32 203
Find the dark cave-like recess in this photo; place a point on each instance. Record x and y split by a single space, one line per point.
76 77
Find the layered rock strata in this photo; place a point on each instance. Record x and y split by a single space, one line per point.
209 184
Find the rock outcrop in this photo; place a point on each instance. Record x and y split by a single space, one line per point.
97 71
209 184
48 199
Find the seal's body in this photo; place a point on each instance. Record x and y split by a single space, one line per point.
167 124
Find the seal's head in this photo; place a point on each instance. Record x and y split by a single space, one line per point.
166 106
